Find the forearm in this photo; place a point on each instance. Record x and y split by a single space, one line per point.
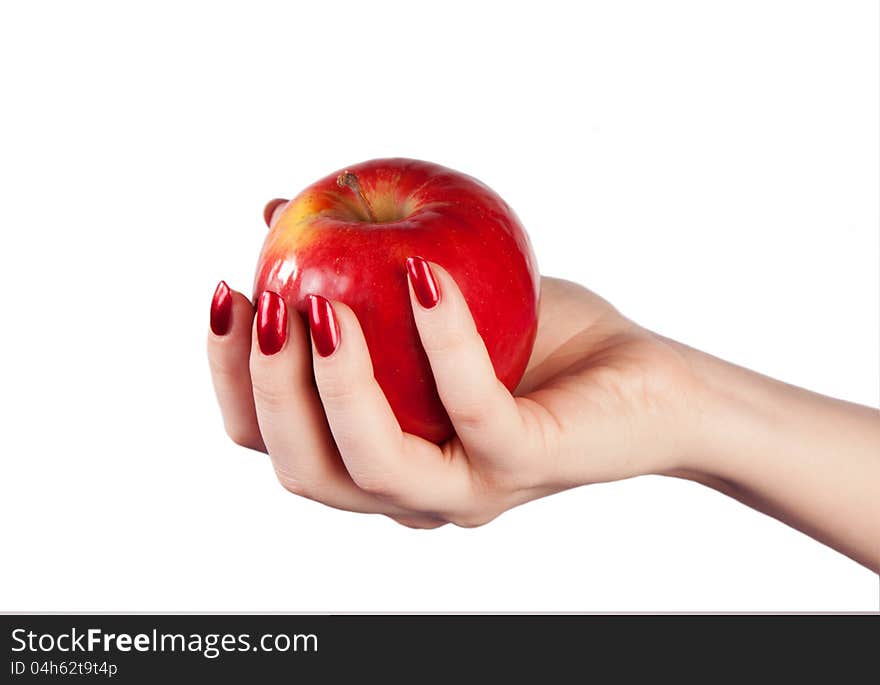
808 460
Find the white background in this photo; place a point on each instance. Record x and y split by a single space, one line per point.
710 167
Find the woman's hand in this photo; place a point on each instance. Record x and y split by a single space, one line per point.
602 399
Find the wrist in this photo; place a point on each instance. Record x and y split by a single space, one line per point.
718 408
805 459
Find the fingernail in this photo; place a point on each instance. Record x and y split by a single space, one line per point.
271 322
221 309
323 324
424 284
270 208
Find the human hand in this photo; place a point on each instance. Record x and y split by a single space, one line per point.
601 400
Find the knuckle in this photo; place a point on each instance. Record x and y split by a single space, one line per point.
336 388
476 407
468 416
296 487
270 397
470 519
294 484
446 340
378 485
224 365
243 438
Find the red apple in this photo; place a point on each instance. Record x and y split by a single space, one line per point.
347 237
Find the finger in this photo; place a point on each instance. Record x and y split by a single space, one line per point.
379 456
483 412
273 210
229 345
290 415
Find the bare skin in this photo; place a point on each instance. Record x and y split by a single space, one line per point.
602 399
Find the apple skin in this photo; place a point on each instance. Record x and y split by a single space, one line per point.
324 243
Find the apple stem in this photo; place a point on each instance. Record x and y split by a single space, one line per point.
348 180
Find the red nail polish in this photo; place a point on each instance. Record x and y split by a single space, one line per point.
221 309
323 324
424 284
270 208
271 322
